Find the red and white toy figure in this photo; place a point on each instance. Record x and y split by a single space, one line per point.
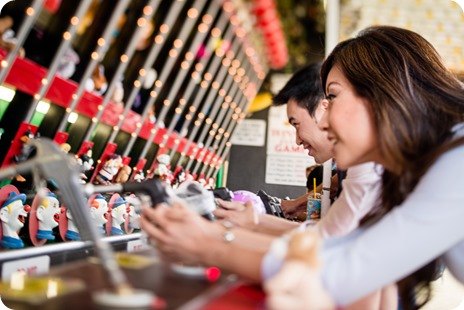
139 176
202 180
109 170
86 162
99 211
68 229
45 215
13 214
210 183
133 218
162 170
189 176
118 215
179 177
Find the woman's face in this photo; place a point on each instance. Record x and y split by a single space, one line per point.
349 123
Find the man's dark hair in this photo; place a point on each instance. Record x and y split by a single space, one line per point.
304 87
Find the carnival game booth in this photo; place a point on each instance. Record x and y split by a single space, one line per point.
96 96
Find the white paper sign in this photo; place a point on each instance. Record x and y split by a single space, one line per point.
286 161
136 245
31 266
281 139
287 170
250 132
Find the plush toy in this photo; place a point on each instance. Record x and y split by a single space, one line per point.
26 148
123 174
25 151
162 170
118 94
86 162
65 147
97 83
7 39
68 62
139 176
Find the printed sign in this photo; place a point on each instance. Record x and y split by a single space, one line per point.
286 161
136 245
281 139
251 132
31 266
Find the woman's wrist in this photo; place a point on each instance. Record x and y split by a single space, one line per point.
219 236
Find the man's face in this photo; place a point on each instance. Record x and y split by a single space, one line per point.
308 133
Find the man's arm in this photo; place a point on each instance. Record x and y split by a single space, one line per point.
245 216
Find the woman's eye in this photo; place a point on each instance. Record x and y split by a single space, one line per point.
330 97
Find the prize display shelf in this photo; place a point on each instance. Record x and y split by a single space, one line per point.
66 252
27 76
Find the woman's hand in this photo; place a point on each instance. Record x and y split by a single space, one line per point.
298 284
243 215
179 233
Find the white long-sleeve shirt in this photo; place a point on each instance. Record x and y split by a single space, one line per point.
428 224
361 189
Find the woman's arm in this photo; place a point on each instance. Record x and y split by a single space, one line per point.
360 194
182 235
427 225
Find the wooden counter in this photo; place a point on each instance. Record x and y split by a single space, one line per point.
176 290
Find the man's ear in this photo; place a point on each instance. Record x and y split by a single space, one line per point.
324 104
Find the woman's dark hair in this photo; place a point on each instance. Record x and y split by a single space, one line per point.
415 102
